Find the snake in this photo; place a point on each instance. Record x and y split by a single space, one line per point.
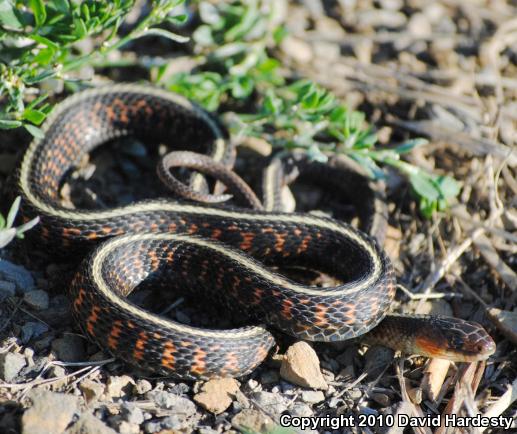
228 256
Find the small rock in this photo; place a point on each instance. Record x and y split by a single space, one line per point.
376 360
10 365
382 399
270 402
18 275
301 410
131 413
124 427
89 424
217 395
37 299
252 421
92 390
7 289
69 348
118 386
207 430
32 329
177 404
269 377
50 412
143 386
301 366
312 396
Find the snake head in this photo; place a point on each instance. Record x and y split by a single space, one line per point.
455 339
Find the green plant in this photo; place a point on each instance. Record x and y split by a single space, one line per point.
7 231
39 41
232 44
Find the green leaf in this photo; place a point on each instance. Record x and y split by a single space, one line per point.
6 124
165 34
410 145
6 236
177 19
9 15
26 226
61 5
424 185
449 186
35 131
34 116
80 29
13 211
40 13
2 222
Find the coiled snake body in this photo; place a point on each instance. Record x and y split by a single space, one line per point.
223 252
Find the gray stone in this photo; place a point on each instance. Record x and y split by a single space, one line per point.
50 413
31 330
270 402
131 413
7 289
89 424
143 386
177 404
312 396
69 348
300 409
10 365
37 299
18 275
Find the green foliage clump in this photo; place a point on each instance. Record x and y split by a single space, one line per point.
39 41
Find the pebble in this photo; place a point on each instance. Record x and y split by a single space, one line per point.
18 275
143 386
32 329
217 395
37 299
301 366
376 359
249 420
177 404
10 365
269 377
50 412
382 399
69 348
118 386
7 289
270 402
312 396
131 413
302 410
89 424
92 390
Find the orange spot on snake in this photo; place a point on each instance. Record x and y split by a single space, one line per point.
247 240
92 319
199 362
138 353
168 358
320 314
114 334
232 362
68 232
216 233
193 229
79 299
287 305
304 244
